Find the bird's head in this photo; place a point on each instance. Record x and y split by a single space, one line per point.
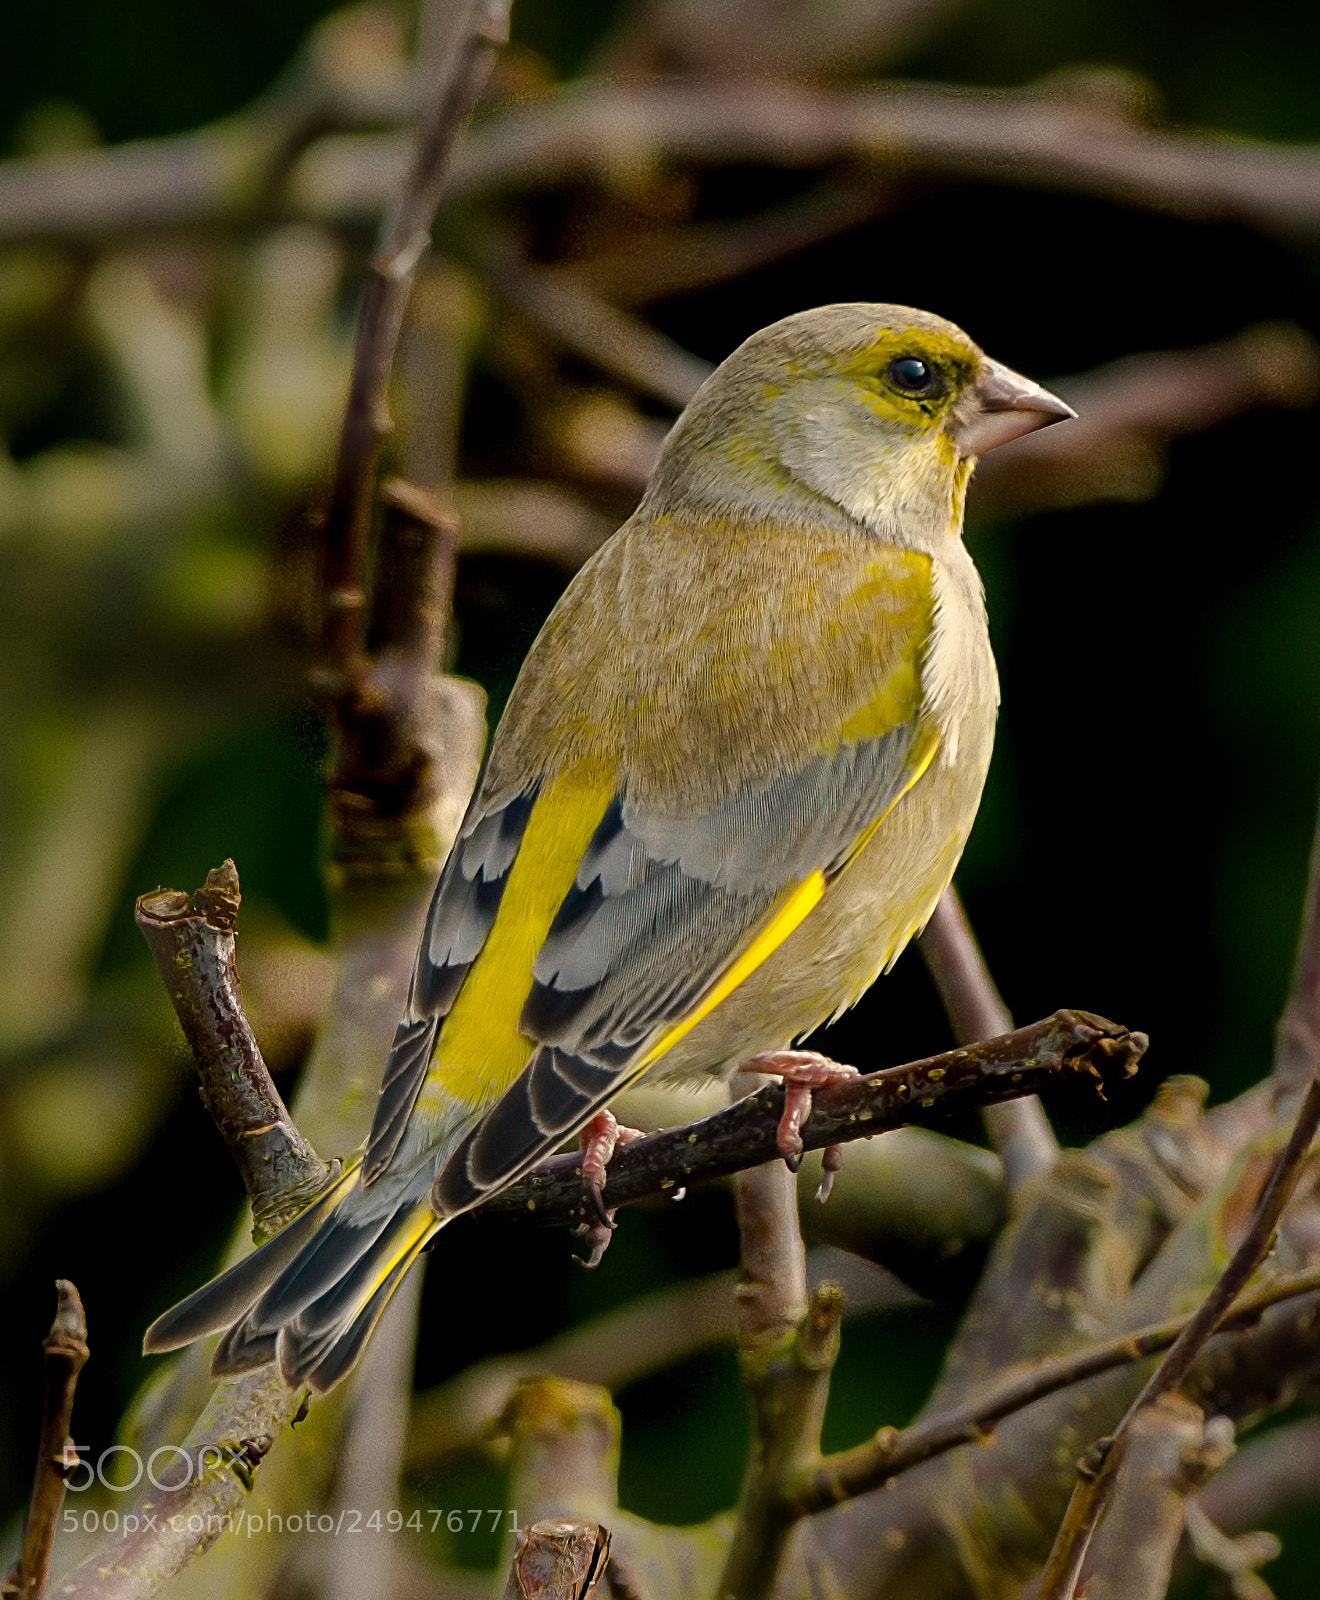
880 410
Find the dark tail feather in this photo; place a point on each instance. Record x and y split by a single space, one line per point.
343 1248
225 1299
324 1360
317 1336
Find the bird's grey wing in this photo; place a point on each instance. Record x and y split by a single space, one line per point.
660 910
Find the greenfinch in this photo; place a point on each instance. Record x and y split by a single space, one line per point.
733 778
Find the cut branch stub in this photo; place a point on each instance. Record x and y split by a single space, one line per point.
192 939
558 1559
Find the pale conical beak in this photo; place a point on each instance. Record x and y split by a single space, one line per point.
1002 405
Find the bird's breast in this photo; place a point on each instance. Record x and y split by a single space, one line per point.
960 686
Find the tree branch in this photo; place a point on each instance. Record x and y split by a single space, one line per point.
1101 1462
891 1452
1080 134
1098 1466
788 1387
208 1479
1019 1129
609 338
1131 410
192 940
743 1135
66 1354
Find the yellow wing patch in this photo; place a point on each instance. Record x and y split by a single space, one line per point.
480 1050
791 911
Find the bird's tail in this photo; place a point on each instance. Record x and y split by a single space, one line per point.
310 1297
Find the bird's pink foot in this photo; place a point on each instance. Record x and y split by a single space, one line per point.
802 1071
598 1140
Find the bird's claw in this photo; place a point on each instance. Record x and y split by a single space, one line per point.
597 1236
598 1140
801 1072
596 1200
832 1161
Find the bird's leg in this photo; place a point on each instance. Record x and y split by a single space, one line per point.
598 1140
801 1072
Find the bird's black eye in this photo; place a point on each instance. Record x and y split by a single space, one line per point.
912 375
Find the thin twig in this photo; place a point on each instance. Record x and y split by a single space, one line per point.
661 264
193 942
66 1354
480 28
613 340
383 771
1130 411
891 1452
1070 1043
1297 1047
1019 1129
1098 1466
